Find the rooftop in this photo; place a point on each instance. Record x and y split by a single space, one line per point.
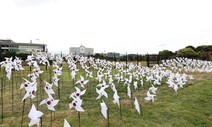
11 42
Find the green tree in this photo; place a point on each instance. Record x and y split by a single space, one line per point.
99 55
166 52
187 52
190 46
9 54
204 48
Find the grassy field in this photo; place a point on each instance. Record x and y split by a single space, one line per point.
189 107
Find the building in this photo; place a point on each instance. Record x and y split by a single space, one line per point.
9 45
113 55
82 50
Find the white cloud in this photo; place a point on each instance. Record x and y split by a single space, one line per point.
111 25
30 3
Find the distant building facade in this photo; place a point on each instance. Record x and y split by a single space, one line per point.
9 45
82 50
113 55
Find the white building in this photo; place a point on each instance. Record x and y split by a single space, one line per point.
82 50
11 46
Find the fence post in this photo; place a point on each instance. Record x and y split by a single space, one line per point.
158 59
0 54
126 59
147 60
137 58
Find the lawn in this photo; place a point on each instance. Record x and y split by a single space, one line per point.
189 107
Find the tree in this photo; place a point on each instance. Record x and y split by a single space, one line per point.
99 55
187 52
22 56
9 54
204 48
190 46
166 53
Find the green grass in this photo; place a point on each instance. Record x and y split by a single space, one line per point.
189 107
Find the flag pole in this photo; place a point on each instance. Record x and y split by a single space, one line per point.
108 121
2 101
79 118
12 89
120 108
51 119
58 89
41 122
22 117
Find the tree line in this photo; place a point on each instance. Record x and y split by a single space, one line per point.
204 52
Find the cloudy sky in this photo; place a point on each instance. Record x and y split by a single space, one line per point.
143 26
